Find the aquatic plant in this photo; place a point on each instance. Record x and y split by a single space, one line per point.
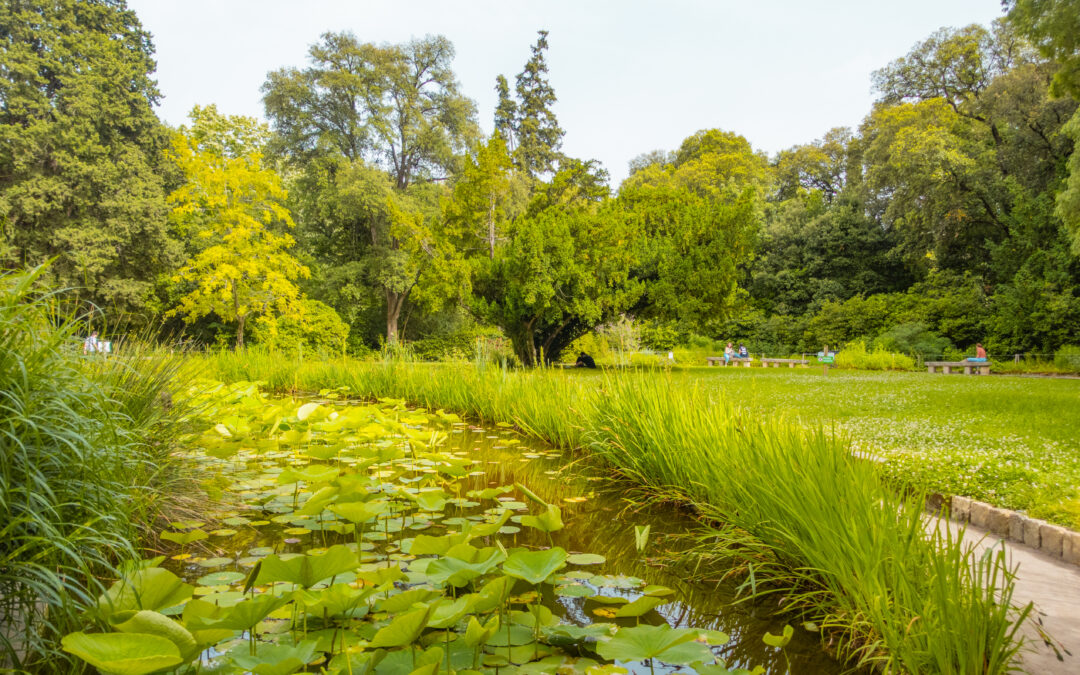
358 488
794 511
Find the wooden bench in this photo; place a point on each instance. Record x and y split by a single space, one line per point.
980 367
775 363
711 360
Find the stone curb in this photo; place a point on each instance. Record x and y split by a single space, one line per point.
1058 542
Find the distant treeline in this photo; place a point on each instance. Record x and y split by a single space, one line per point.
373 208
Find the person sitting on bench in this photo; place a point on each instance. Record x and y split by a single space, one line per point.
980 354
584 361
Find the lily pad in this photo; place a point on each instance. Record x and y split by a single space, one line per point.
218 578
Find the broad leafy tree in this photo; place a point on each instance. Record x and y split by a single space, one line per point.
233 206
563 268
81 150
1054 27
356 110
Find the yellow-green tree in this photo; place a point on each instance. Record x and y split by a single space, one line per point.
231 206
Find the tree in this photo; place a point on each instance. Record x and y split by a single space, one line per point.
822 165
697 213
1054 27
358 109
690 246
529 125
487 194
956 66
234 204
81 150
506 113
564 267
712 163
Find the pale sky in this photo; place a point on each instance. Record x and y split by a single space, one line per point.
631 75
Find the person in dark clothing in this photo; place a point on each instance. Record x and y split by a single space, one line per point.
585 361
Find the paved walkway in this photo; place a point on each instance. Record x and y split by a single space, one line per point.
1054 587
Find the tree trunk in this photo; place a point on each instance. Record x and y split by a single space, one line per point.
240 331
394 303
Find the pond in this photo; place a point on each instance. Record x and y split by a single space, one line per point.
397 540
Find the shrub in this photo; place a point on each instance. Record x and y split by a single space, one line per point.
459 345
661 337
855 355
913 338
318 330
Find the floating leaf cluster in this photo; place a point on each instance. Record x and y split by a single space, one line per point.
379 563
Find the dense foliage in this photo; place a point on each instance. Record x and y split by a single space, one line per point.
949 216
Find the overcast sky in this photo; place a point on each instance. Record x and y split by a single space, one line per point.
631 76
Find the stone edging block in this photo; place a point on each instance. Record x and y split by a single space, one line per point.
1057 542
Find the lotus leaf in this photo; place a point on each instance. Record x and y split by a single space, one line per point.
535 566
424 544
308 570
184 538
123 653
152 588
277 659
477 634
779 641
448 614
406 599
670 645
639 607
585 559
153 623
549 521
305 411
404 629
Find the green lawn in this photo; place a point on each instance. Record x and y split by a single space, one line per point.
1011 441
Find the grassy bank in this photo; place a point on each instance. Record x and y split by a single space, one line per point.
788 503
84 467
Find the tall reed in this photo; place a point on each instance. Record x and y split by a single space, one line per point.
823 533
84 453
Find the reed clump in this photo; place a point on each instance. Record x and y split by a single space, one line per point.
85 464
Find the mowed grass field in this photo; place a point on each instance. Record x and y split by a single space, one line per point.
1011 441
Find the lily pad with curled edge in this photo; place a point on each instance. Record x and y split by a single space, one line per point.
779 641
184 538
639 607
586 559
215 562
